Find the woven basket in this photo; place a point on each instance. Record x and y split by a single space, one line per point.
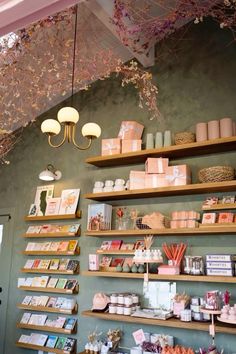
216 174
184 138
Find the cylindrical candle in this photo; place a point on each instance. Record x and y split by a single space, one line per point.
226 127
201 132
213 129
159 140
234 128
149 141
167 138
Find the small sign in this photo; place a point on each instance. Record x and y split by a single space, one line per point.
139 336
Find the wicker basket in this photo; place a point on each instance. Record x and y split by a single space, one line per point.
216 174
184 138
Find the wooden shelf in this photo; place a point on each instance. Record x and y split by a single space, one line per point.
181 277
44 349
199 188
173 152
52 253
49 271
219 207
52 235
49 290
115 252
46 328
47 309
77 215
172 322
164 232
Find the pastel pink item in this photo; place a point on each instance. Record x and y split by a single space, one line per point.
130 130
131 145
201 132
167 269
209 218
137 179
178 175
213 129
234 128
111 146
156 180
156 165
178 307
226 127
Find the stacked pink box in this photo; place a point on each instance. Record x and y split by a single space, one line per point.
184 219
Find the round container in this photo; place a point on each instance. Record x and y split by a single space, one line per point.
98 184
135 299
128 300
127 310
201 132
120 299
113 308
119 182
149 141
107 189
118 188
113 298
120 310
158 140
226 127
213 129
97 190
167 138
109 183
186 315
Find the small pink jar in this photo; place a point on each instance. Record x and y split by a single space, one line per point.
201 132
226 127
213 129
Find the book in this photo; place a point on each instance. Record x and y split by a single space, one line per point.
38 339
73 265
33 210
69 201
59 302
60 322
37 320
44 264
53 206
220 272
46 246
27 300
63 246
43 281
43 193
35 301
219 257
52 302
105 261
51 342
43 300
60 342
71 284
63 264
36 263
54 246
29 264
45 229
24 339
69 344
116 261
68 304
52 282
25 318
37 246
220 265
30 246
127 247
116 244
54 264
73 228
61 283
106 245
70 323
72 245
34 229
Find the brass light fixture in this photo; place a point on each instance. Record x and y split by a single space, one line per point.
69 116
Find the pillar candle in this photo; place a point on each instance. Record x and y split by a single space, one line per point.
213 129
159 140
201 132
149 141
167 138
226 127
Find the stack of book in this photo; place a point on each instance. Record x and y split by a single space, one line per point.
52 264
63 246
51 341
51 302
48 282
220 264
43 320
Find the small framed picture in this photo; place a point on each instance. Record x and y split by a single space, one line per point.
33 210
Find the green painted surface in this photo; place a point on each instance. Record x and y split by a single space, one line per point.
196 83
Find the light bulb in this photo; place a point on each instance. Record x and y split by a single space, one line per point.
68 115
50 126
91 130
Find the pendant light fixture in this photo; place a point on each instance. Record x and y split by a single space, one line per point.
68 117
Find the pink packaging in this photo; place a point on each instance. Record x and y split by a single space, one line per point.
209 218
178 175
155 180
137 179
182 224
185 215
178 307
166 269
156 165
130 130
131 145
111 146
93 262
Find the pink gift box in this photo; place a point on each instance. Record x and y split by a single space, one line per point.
180 224
209 218
155 180
137 179
131 145
130 130
185 215
178 175
178 307
167 269
156 165
111 146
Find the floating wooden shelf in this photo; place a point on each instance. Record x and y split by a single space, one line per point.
115 252
48 309
52 253
219 206
77 215
51 235
44 349
50 290
49 271
172 322
164 232
46 328
181 277
199 188
173 152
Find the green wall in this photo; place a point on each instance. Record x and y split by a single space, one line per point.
197 83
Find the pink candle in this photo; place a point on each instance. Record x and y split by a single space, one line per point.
213 128
226 127
201 132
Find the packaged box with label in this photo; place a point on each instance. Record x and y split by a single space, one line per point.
130 145
99 217
137 179
130 129
156 165
111 146
178 175
155 180
225 218
209 218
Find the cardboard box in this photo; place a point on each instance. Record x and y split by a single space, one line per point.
111 146
156 165
155 180
137 179
130 145
130 130
178 175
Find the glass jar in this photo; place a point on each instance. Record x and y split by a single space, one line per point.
113 308
120 299
120 310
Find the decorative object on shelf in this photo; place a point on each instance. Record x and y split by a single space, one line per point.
69 201
201 132
111 146
175 254
178 349
158 140
99 217
194 265
216 174
167 138
184 138
50 174
130 130
180 303
131 145
100 302
43 193
121 218
211 350
149 141
213 129
226 127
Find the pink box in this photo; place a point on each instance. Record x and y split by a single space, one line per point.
156 165
111 146
225 218
155 180
178 175
178 307
137 179
180 224
131 145
185 215
130 130
167 269
209 218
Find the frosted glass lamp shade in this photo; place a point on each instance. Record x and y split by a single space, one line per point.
50 126
91 130
46 176
68 115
